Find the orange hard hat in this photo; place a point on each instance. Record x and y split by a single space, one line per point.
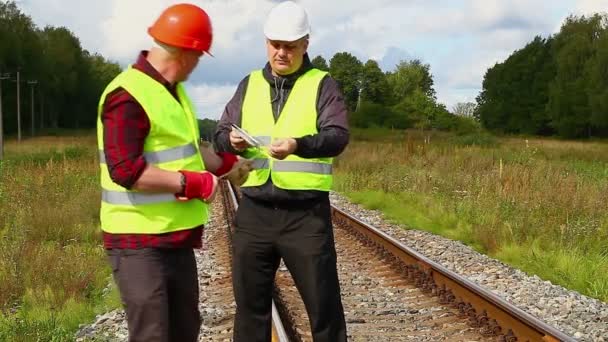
183 25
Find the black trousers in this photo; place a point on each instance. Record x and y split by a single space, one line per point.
302 236
159 290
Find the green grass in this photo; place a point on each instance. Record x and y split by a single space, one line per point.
52 264
537 204
37 321
414 210
575 267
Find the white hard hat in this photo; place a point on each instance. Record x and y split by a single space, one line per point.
287 21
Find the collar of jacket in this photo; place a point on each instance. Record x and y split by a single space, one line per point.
289 80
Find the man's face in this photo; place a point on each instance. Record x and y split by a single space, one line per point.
286 57
189 60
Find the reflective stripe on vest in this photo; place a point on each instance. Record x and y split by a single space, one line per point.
261 163
171 144
298 118
134 198
293 166
301 166
164 156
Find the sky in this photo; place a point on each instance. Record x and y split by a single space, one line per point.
459 39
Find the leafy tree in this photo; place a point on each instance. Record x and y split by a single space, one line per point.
375 87
553 85
466 109
516 91
419 109
410 76
320 63
99 72
19 51
596 75
490 111
370 114
63 53
568 99
347 70
207 128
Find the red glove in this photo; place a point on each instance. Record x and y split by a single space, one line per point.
228 161
201 185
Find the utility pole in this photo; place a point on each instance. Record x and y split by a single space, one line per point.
2 77
18 108
32 84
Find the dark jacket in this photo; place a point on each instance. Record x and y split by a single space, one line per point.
332 126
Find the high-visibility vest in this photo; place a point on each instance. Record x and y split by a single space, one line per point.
172 144
297 119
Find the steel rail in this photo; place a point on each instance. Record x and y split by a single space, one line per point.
492 314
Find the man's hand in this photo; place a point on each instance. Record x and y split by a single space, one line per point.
211 197
238 143
199 185
281 148
240 171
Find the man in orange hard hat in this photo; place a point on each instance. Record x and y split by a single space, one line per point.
157 181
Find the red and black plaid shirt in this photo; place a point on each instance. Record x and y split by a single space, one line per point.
125 128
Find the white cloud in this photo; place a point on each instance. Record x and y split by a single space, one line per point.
81 17
210 99
234 24
123 32
588 7
466 70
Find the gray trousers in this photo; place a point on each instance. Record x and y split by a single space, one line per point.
159 290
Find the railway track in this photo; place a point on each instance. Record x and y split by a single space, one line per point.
216 287
390 293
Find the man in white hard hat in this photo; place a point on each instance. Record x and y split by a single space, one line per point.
298 115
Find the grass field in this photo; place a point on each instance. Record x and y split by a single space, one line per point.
52 265
537 204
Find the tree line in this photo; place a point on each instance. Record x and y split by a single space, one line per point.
553 86
67 80
402 98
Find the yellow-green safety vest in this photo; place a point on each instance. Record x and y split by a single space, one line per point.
172 144
297 119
